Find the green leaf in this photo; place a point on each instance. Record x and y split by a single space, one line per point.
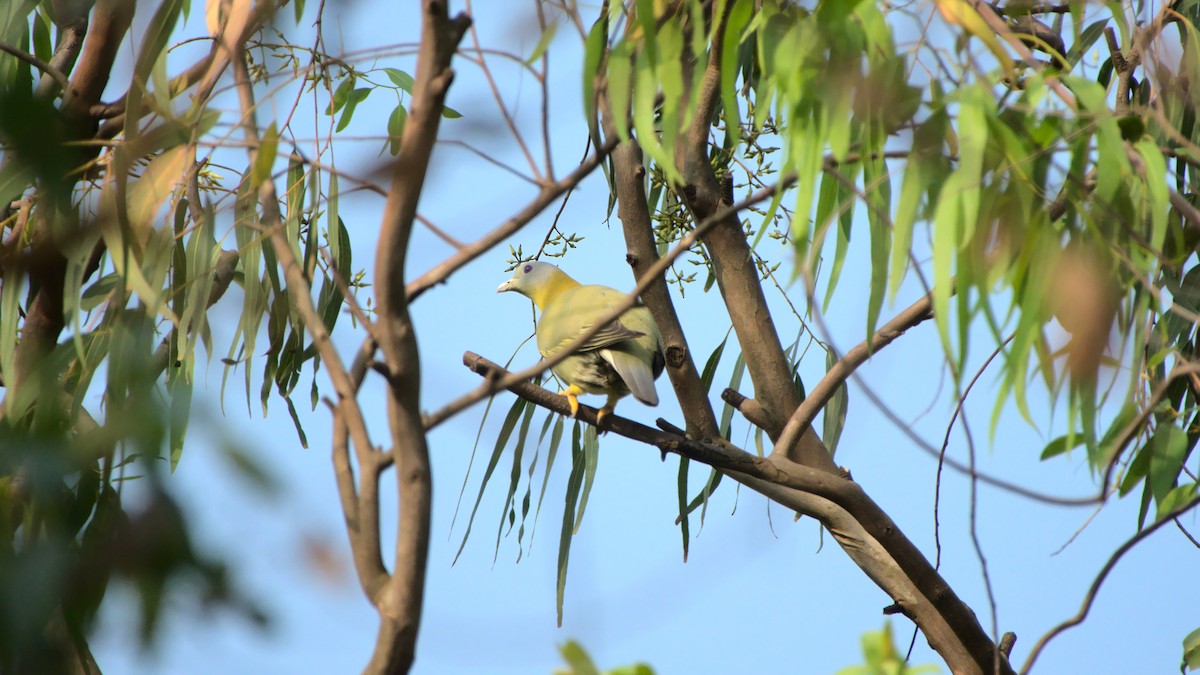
400 79
352 100
835 410
591 459
845 199
341 94
515 475
1191 650
1168 448
577 659
701 498
11 292
878 187
264 159
180 389
543 43
681 491
735 381
296 421
42 47
395 127
911 188
710 366
568 520
620 66
506 429
555 440
597 40
1060 445
731 42
1176 500
645 98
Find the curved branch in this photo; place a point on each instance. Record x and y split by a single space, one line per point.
59 77
399 603
1094 589
841 371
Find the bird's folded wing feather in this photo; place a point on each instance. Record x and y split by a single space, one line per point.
635 373
608 336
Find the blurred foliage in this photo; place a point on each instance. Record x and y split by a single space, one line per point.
882 657
580 663
117 238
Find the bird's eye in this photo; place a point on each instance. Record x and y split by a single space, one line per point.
528 269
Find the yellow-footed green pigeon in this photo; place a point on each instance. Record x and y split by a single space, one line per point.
625 357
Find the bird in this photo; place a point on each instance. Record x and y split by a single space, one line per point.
624 357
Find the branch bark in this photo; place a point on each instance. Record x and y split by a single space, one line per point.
868 535
362 521
736 275
401 600
629 184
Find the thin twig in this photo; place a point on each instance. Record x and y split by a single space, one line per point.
469 252
41 65
1094 589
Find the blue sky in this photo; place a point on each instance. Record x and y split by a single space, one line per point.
759 593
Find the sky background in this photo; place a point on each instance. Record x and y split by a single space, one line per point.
759 593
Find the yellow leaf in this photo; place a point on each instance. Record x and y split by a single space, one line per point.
153 189
963 14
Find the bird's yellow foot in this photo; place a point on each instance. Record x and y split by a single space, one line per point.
602 413
572 401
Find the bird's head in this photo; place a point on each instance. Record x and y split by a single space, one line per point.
538 281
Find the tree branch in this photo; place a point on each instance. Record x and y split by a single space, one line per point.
1094 589
861 527
736 275
841 371
401 600
34 61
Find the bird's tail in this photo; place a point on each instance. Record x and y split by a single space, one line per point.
635 373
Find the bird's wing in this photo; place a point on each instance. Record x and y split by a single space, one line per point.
575 312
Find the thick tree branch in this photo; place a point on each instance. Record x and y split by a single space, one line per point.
736 274
860 526
70 41
629 184
401 600
919 311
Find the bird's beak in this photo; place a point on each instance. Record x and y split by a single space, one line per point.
506 286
